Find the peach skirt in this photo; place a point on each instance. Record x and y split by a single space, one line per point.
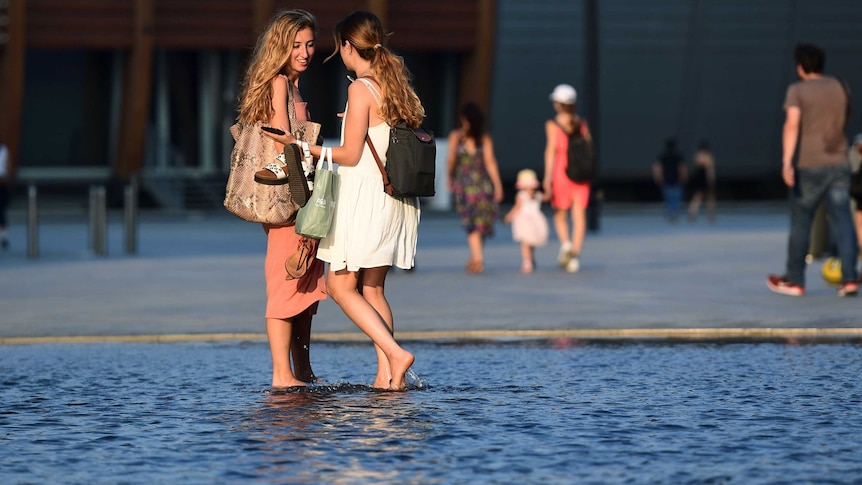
287 298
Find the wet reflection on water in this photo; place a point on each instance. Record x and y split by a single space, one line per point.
336 429
556 411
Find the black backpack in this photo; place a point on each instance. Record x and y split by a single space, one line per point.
410 162
581 167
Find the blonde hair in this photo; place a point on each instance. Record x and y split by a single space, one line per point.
365 33
271 57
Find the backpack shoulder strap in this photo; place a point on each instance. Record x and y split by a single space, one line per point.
565 131
377 98
387 185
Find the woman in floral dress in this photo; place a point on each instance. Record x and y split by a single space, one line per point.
474 179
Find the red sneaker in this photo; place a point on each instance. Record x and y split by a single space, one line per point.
848 289
780 284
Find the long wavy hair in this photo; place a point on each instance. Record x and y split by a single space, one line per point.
365 32
476 121
570 109
271 57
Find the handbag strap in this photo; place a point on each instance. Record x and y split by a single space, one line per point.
325 157
387 186
291 109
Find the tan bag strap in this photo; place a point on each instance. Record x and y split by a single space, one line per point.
387 186
291 109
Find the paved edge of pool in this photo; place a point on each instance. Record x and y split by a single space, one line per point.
694 334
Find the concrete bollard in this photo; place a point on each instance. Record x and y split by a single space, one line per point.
131 218
32 222
98 221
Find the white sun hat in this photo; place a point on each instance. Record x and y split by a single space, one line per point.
564 94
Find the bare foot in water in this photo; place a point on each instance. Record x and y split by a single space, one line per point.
287 383
399 364
381 382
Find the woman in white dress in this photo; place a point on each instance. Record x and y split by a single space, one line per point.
371 231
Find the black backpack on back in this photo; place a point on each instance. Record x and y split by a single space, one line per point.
582 161
410 161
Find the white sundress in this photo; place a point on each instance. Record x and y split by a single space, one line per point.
529 225
370 228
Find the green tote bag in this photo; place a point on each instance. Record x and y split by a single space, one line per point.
315 218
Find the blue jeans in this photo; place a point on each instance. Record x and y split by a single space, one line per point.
813 185
672 199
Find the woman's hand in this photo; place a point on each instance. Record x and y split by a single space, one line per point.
284 139
498 194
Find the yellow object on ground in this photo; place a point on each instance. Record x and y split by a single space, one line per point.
831 271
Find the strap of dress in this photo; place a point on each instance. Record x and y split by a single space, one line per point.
387 185
291 108
373 89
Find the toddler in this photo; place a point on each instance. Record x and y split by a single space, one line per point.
529 226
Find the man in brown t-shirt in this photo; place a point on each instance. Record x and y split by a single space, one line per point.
815 116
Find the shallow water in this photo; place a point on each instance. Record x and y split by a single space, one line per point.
558 411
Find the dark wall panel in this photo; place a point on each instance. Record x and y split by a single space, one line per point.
695 69
538 46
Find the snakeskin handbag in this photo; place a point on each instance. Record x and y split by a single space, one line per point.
246 198
252 201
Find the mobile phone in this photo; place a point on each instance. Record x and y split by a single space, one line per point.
272 130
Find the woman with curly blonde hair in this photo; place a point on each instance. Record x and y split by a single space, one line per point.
284 50
371 231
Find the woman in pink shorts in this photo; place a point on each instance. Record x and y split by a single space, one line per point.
565 195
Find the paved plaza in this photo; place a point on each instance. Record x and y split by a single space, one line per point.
200 274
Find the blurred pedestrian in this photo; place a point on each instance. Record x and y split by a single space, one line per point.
568 198
855 156
821 171
284 51
4 195
702 183
474 180
669 173
529 226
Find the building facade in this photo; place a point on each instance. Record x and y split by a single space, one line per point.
96 90
713 70
111 90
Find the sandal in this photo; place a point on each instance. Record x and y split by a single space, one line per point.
271 174
297 265
274 174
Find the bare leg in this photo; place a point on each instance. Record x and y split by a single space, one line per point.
342 287
372 284
694 205
476 263
299 347
279 334
579 227
526 258
561 225
857 219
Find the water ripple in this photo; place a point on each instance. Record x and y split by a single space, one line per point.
504 412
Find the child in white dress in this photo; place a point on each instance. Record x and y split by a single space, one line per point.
529 225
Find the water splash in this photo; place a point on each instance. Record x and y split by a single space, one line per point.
414 381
